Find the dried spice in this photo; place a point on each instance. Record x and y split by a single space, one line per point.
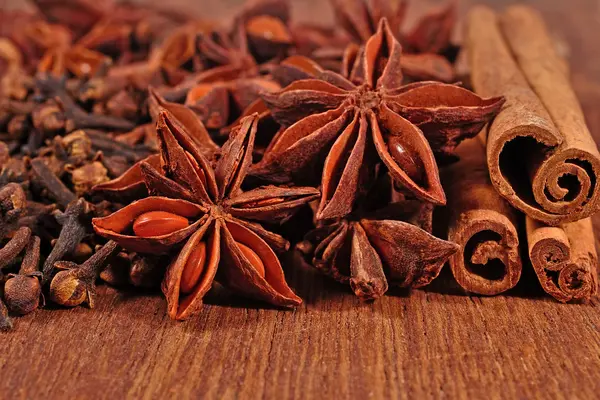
564 259
75 225
378 246
145 271
425 46
146 121
265 23
75 284
231 89
372 120
482 223
431 34
204 209
542 129
23 291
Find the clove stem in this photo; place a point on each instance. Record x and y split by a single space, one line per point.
72 233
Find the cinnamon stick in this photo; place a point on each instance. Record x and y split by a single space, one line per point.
541 155
482 223
564 258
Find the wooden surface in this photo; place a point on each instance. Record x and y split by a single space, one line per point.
425 344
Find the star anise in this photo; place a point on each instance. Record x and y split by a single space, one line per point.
430 37
130 185
431 34
358 125
204 209
379 244
266 25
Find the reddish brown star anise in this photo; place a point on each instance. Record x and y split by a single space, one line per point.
392 246
265 23
229 87
372 120
206 209
131 185
431 35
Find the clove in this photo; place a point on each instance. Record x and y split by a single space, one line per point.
76 284
45 178
23 291
76 117
13 205
74 222
14 246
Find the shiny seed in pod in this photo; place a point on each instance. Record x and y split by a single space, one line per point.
158 223
253 258
195 265
412 166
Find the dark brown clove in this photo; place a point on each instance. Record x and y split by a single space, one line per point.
74 116
23 291
12 206
75 284
147 272
111 147
47 180
74 222
14 246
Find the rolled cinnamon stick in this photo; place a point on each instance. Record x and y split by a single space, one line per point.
482 223
541 155
564 258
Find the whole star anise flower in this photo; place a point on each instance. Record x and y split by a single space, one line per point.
204 209
357 125
392 245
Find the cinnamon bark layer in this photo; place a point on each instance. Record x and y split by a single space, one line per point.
482 223
541 155
564 258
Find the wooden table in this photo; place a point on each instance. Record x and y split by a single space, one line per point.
428 343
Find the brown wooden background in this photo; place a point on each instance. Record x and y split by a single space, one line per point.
429 343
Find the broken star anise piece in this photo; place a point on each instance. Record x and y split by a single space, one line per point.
204 210
357 125
390 246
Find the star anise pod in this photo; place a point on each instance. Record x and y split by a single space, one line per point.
430 37
372 120
265 23
230 81
228 89
231 91
131 185
431 34
204 209
371 250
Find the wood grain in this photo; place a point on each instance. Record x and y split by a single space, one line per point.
425 344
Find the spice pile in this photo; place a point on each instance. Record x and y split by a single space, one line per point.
146 148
